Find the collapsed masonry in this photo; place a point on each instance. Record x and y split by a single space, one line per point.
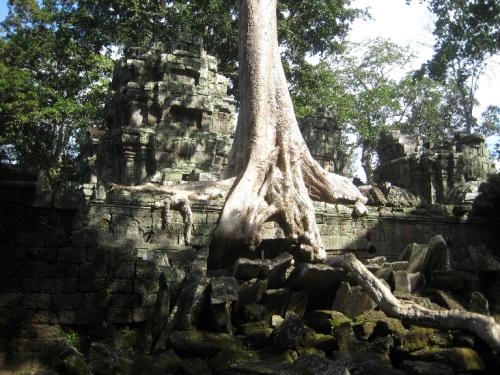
169 118
443 173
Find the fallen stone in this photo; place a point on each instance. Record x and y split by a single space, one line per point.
316 365
352 301
202 343
257 334
223 293
325 320
359 362
250 292
438 255
425 368
460 359
415 255
478 303
253 312
106 360
186 313
346 340
319 281
456 281
275 270
376 197
297 303
480 259
399 197
247 269
276 300
407 283
290 333
194 366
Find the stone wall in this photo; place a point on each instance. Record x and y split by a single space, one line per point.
431 171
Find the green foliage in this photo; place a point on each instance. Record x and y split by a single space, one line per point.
51 88
71 337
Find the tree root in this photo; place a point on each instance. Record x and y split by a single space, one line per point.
483 326
182 205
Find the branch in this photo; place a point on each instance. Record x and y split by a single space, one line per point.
483 326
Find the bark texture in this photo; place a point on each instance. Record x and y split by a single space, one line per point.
483 326
277 178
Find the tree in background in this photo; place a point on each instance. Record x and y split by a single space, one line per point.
56 60
467 33
51 88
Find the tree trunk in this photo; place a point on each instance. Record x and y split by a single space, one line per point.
483 326
277 176
366 161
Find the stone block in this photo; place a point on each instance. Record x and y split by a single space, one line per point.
297 303
43 317
120 286
125 300
34 269
67 317
66 285
87 285
425 368
407 283
251 291
10 285
122 270
275 270
246 269
290 333
8 300
276 300
223 289
67 301
36 301
318 280
119 316
352 301
48 255
93 271
191 301
70 255
65 270
35 285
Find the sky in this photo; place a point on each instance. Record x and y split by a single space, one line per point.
409 25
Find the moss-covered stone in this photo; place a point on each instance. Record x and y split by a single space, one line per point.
460 359
201 343
319 341
384 324
257 334
325 320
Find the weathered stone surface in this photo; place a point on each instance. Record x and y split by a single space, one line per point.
251 291
275 270
315 365
106 360
430 171
290 333
318 280
297 303
325 320
399 197
257 334
478 303
407 283
359 362
460 359
201 343
276 300
346 340
352 301
425 368
169 118
190 302
480 259
247 269
223 293
456 281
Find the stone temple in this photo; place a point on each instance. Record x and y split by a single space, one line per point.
169 118
94 281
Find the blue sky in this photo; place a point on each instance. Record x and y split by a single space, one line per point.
3 9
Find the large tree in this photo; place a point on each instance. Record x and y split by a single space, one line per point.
275 177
